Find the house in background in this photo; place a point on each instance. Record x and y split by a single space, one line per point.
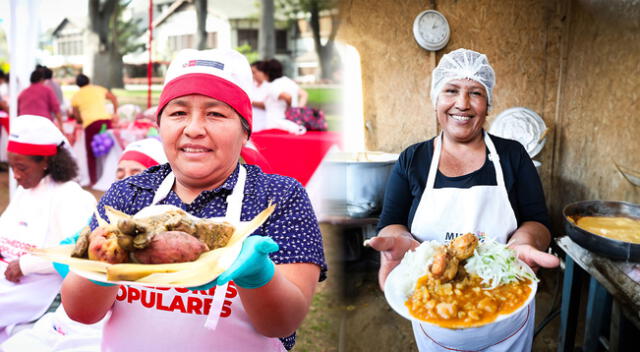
67 43
230 24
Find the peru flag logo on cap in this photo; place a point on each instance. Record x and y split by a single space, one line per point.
208 63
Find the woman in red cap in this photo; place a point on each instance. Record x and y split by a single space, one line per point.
204 118
47 206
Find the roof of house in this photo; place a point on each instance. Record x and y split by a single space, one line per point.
237 9
80 22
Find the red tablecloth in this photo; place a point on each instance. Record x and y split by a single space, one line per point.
295 156
4 121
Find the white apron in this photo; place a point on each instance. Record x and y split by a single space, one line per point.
174 319
446 213
56 332
25 225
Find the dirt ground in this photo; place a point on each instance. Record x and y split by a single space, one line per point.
349 312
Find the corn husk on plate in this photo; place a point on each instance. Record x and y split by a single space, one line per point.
206 268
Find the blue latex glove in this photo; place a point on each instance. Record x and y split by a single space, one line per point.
63 269
252 268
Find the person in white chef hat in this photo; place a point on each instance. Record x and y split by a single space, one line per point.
465 180
139 156
205 120
55 331
46 207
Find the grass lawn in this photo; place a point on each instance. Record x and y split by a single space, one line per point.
324 95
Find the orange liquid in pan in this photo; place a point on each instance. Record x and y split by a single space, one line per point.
617 228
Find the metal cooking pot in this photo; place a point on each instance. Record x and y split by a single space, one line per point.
604 246
358 181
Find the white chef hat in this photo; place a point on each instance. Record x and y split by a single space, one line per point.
222 74
34 135
461 64
148 152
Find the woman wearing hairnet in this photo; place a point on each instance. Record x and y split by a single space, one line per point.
465 180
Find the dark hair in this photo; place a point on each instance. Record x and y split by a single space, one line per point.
62 167
262 66
82 80
3 75
273 69
36 76
48 74
245 125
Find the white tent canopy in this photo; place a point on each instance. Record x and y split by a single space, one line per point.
23 44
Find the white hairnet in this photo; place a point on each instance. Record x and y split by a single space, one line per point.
461 64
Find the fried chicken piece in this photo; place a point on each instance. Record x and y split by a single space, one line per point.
445 265
463 246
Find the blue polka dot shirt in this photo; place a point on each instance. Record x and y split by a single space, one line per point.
293 225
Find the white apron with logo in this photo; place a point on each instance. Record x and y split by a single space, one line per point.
174 319
24 225
446 213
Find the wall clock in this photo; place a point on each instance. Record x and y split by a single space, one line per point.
431 30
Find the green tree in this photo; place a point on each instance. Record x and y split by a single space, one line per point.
129 33
311 11
109 39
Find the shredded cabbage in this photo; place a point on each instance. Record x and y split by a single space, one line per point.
496 264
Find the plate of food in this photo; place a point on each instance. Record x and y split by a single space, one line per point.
465 284
159 246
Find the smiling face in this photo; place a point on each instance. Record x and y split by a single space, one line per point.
461 109
202 138
26 171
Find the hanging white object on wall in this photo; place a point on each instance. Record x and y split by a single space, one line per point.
431 30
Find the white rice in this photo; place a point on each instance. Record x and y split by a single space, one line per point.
415 264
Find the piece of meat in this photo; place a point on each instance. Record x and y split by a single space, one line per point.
463 246
445 265
214 234
170 247
82 244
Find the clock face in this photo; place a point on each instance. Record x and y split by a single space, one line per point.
431 30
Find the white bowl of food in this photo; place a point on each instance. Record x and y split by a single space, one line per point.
438 285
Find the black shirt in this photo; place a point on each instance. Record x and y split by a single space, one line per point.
409 177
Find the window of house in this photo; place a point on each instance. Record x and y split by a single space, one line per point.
183 41
281 41
70 44
248 36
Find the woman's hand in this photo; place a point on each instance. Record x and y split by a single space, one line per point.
529 241
13 272
392 242
534 257
252 268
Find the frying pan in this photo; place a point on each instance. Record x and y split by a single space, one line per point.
614 249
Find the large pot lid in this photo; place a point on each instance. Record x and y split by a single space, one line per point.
522 125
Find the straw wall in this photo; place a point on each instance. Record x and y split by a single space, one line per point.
576 69
598 121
